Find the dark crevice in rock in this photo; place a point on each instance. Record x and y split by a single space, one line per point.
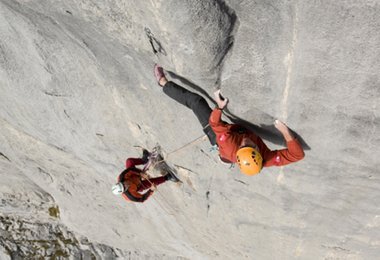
206 154
46 174
208 201
241 182
227 48
2 155
59 148
232 20
64 111
54 94
86 44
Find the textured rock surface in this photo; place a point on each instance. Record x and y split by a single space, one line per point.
22 239
77 94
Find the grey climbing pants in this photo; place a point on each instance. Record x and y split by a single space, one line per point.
195 102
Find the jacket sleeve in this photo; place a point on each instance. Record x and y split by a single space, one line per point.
132 162
217 125
293 153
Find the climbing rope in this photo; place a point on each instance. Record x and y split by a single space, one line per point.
203 137
158 202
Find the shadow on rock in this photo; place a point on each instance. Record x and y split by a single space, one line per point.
191 85
266 131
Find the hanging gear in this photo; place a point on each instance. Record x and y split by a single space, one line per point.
250 160
155 44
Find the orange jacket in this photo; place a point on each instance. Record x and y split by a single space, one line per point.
229 137
132 177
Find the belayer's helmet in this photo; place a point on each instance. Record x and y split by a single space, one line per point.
118 188
250 160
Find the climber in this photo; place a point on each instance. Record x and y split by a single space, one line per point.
132 182
236 144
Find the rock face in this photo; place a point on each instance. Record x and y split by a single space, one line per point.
78 94
23 239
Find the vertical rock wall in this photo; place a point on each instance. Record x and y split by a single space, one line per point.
78 94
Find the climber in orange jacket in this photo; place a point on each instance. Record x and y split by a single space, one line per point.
242 146
236 144
132 182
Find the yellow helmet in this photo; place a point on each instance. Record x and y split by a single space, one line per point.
249 160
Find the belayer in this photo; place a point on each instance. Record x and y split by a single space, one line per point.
236 144
134 184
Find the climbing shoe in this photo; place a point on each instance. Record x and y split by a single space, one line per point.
158 72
